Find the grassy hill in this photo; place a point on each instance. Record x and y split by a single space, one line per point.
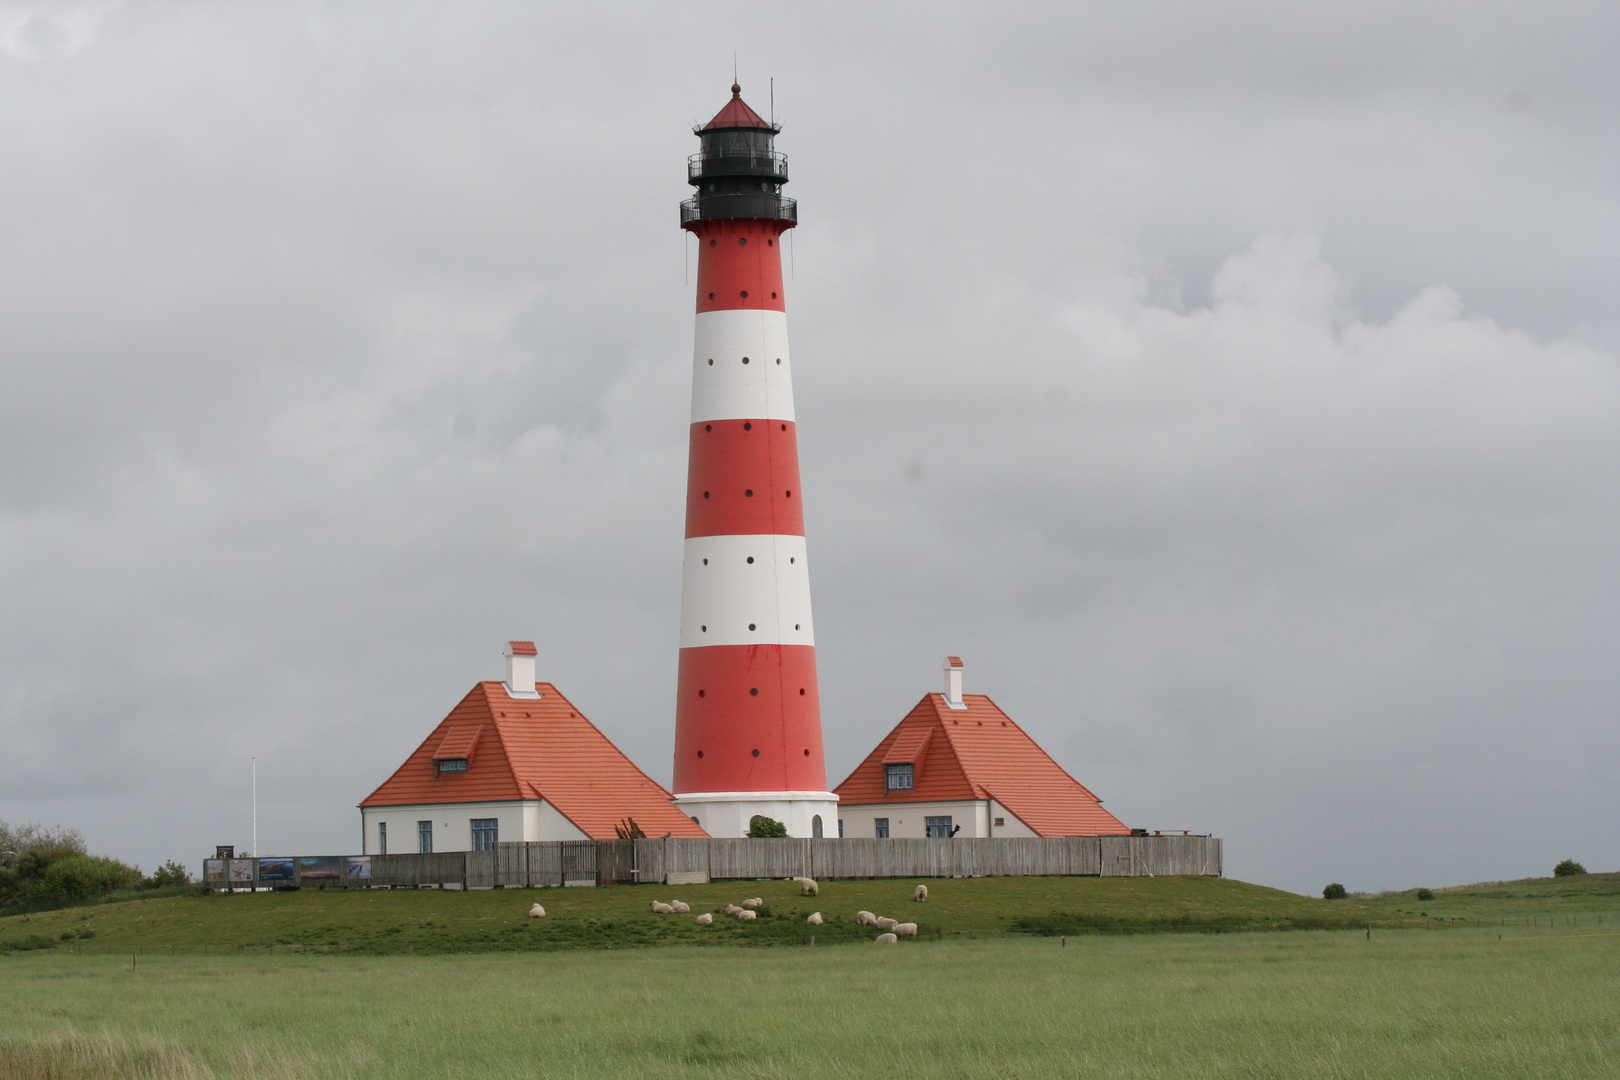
432 921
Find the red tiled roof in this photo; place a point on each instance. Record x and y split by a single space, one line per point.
522 648
979 753
737 114
953 661
530 749
458 742
909 748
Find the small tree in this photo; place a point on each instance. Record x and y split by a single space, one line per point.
1568 868
764 826
172 872
88 875
1425 894
1334 891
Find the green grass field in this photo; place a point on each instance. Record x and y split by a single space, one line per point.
382 922
1461 1004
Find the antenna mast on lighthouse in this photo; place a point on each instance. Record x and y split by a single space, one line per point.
748 716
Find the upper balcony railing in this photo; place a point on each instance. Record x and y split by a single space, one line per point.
699 166
740 205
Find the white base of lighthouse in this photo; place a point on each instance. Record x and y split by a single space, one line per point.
730 813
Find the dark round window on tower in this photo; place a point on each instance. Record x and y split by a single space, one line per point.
749 493
742 239
751 626
711 296
773 296
754 692
702 693
748 427
745 359
705 494
712 243
801 689
770 243
711 361
756 753
750 560
700 754
745 294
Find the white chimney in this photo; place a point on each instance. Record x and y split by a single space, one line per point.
953 682
520 669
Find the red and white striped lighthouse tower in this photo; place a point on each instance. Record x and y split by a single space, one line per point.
748 717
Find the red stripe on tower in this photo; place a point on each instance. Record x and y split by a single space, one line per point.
748 714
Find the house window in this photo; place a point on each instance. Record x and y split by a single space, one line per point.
881 828
382 837
938 826
485 831
454 764
1001 821
840 828
815 827
424 837
899 777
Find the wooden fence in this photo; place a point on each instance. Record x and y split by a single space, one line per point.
687 862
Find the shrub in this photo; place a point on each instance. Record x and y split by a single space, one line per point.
17 840
170 873
1568 868
1334 891
764 826
88 875
1425 894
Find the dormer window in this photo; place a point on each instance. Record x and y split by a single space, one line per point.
455 764
898 777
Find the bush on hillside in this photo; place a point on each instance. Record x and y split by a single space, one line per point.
1334 891
18 840
88 875
1568 868
1425 894
170 873
764 826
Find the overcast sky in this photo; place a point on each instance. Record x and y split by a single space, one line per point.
1236 387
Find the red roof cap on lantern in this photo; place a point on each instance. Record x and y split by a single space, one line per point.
522 648
737 114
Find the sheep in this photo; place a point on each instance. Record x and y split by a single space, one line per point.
537 912
906 929
808 886
885 923
746 915
885 939
921 894
681 906
662 908
814 918
733 909
705 919
865 918
755 902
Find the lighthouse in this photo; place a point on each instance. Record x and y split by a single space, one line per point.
748 716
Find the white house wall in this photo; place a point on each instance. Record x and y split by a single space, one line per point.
529 819
907 819
1010 826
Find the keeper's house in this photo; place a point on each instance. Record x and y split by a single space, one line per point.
958 766
514 761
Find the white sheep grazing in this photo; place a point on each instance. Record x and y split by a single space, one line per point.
662 908
746 915
705 919
733 909
808 886
814 918
886 939
906 929
537 912
921 894
680 906
865 918
884 923
755 902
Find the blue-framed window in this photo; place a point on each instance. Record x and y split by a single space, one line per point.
938 826
485 830
382 837
898 777
880 828
452 764
424 837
